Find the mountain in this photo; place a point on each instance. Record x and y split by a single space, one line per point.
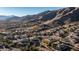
60 16
51 18
13 19
66 15
43 15
3 17
63 16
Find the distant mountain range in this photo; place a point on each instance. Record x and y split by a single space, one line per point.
3 17
60 16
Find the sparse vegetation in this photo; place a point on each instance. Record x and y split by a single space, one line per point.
42 35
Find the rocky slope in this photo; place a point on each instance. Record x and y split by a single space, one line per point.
56 30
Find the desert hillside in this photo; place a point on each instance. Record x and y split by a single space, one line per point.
56 30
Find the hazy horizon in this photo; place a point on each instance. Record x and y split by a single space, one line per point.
22 11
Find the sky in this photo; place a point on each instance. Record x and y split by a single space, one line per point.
22 11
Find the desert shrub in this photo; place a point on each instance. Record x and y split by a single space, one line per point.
63 33
46 41
35 42
50 33
72 29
